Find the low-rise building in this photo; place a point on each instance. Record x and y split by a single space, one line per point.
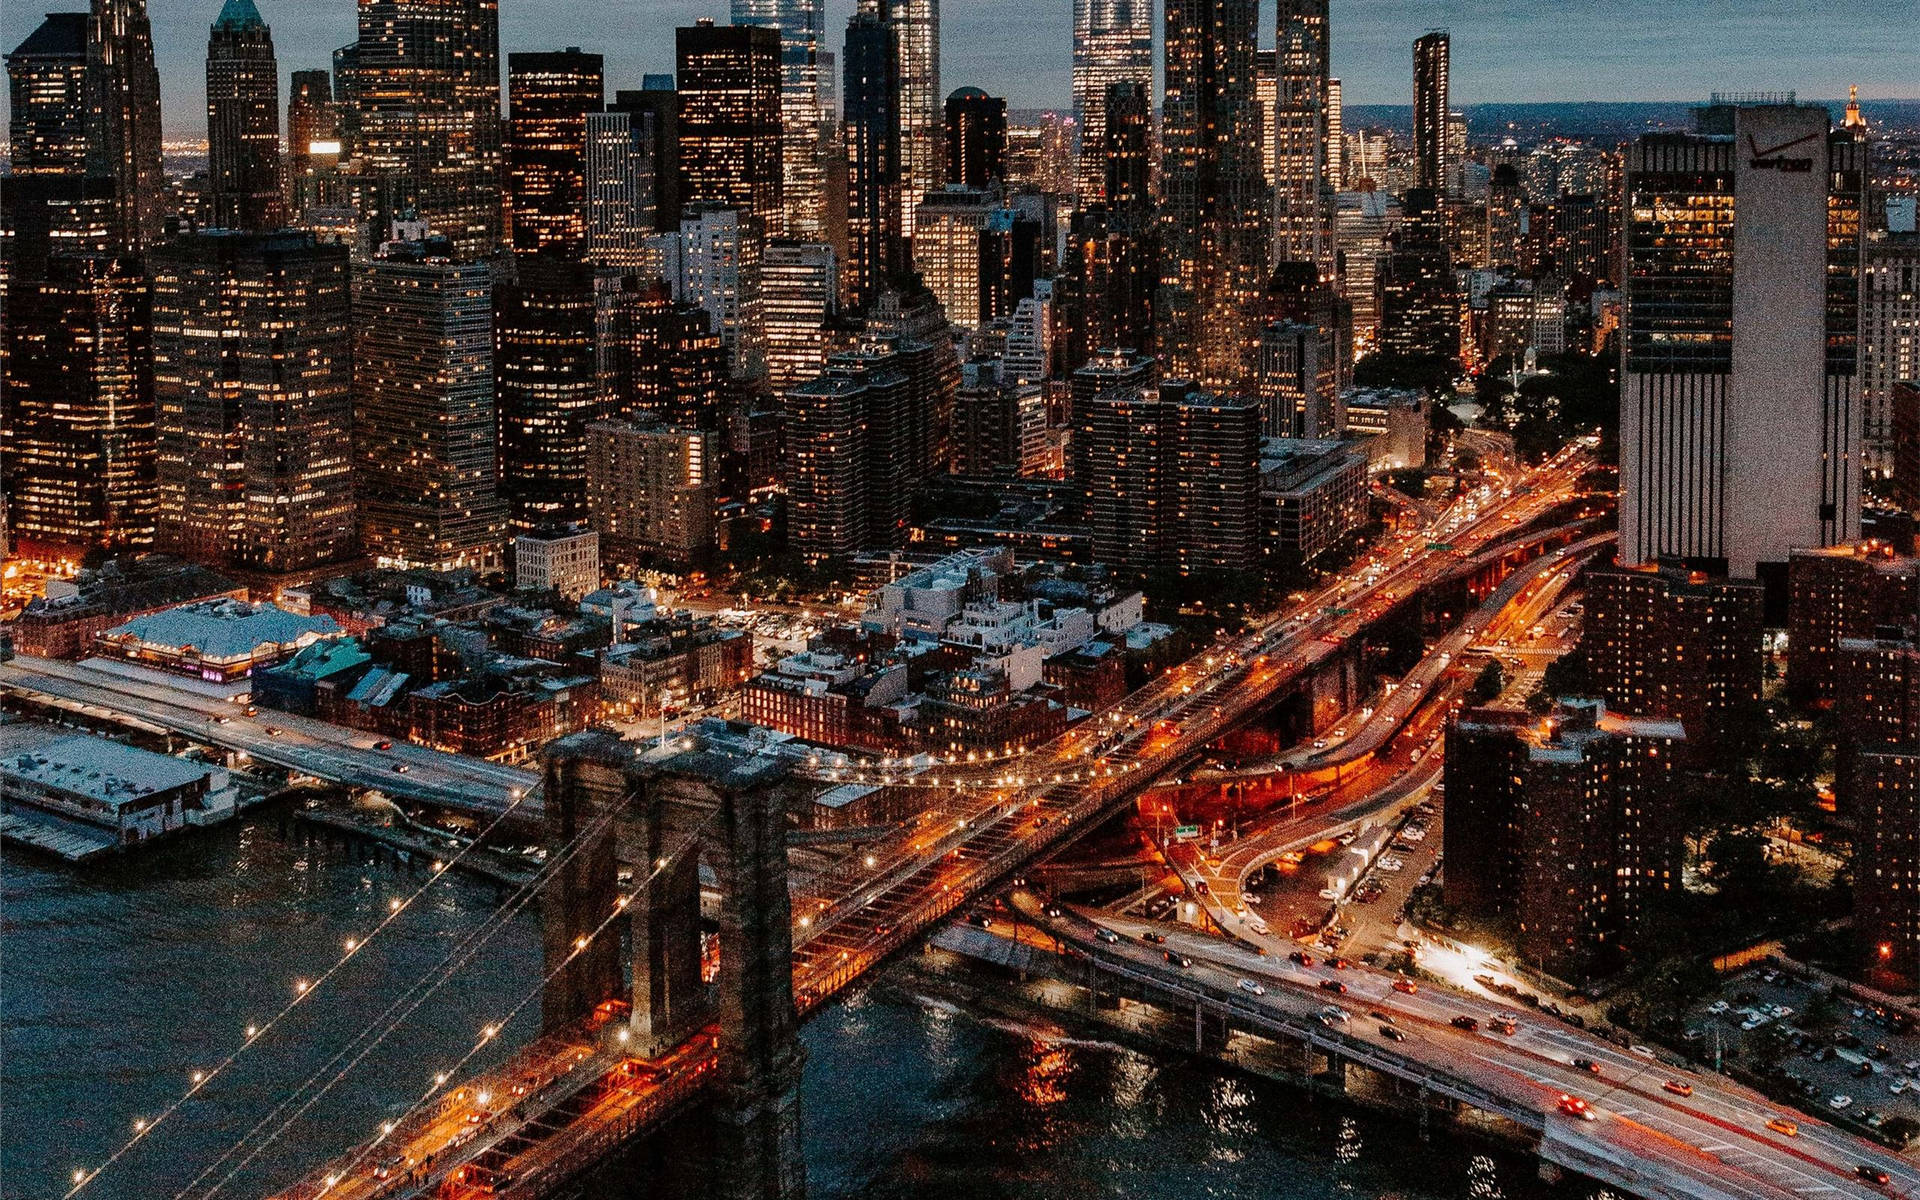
76 795
505 719
294 685
220 641
1313 493
669 661
65 622
1392 423
566 561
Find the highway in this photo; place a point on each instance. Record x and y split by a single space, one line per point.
1713 1142
296 743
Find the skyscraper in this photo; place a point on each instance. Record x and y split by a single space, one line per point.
800 287
620 188
243 120
547 383
1214 228
976 139
1112 44
730 132
872 97
425 461
660 360
803 179
1740 419
46 81
1431 54
916 31
721 253
549 99
252 358
123 117
653 115
425 92
1889 335
1302 136
313 120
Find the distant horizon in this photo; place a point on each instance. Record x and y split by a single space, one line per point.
1642 51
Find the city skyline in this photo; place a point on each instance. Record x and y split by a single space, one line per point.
1510 52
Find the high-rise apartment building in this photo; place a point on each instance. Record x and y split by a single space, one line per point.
976 139
550 97
851 445
77 457
243 121
1302 136
803 176
874 180
1740 418
253 387
424 89
1367 225
1838 593
547 387
729 80
916 33
1112 45
425 430
1877 780
1000 426
123 118
620 189
949 250
799 291
1889 335
650 491
1431 69
1214 227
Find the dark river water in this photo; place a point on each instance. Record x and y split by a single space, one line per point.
117 982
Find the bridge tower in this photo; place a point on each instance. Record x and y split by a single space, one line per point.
703 797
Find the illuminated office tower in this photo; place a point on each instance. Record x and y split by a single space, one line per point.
425 97
659 359
803 177
1299 380
799 291
1456 159
916 33
253 388
1336 137
1112 44
1430 112
948 249
653 119
872 97
549 98
1214 228
46 89
313 133
77 458
1740 418
1112 271
243 121
730 133
1266 89
123 118
1419 300
620 189
1367 223
976 139
425 460
1300 133
720 260
1889 335
547 386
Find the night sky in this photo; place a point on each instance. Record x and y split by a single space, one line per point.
1503 50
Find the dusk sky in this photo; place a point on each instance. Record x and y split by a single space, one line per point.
1503 50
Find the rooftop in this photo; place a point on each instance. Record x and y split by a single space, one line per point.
103 771
225 629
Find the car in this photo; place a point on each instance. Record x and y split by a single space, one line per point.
1502 1024
1574 1106
1872 1174
270 730
1333 985
401 768
1391 1034
1249 986
252 711
1840 1103
222 720
1338 963
1586 1064
1053 910
1333 1012
1151 937
1718 1007
1784 1125
479 1116
383 744
1900 1085
1383 1017
1329 894
1107 935
1405 986
1178 959
1300 958
1678 1087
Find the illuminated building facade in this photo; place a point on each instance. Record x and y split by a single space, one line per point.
976 139
243 121
620 189
313 133
123 118
729 80
1112 45
801 24
799 291
1302 136
549 99
873 134
1432 67
547 387
916 33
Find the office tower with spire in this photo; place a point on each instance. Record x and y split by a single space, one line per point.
872 98
730 133
801 24
1302 137
1431 54
549 99
243 121
1215 226
425 462
976 139
1112 44
1740 410
252 363
123 118
916 32
425 95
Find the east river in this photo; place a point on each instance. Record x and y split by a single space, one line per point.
118 981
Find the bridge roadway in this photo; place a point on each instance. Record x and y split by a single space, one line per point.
846 924
102 688
1710 1145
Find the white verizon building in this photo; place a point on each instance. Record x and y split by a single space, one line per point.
1740 423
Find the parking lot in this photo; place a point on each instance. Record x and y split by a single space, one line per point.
1850 1062
1293 896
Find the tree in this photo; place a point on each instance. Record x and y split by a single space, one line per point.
1489 684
